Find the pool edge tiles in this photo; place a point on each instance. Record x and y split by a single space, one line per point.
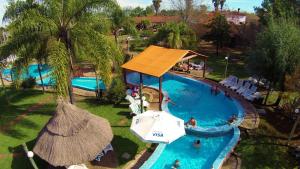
226 150
154 157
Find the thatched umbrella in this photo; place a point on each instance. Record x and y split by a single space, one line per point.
72 136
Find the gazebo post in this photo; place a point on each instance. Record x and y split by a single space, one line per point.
204 68
160 92
188 66
125 78
141 91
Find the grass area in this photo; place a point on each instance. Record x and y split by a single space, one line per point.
265 148
25 130
120 121
15 130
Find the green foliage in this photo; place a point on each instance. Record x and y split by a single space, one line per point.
276 52
219 30
28 83
218 4
146 23
58 60
62 32
176 35
147 33
116 93
272 9
138 11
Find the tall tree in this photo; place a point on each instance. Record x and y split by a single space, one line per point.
122 22
276 53
176 35
218 4
64 31
219 31
277 9
156 4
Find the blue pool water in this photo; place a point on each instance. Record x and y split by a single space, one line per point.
194 99
195 158
32 70
86 83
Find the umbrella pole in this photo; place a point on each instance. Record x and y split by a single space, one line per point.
160 93
141 91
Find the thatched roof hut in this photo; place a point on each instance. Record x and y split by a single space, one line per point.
72 136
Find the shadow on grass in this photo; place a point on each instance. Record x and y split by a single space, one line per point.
20 160
124 145
125 114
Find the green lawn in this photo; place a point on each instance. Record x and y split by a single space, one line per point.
26 129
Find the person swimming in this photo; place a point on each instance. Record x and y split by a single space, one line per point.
232 119
170 101
176 164
192 122
197 144
214 90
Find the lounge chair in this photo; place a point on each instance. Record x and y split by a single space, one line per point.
197 66
135 108
226 80
244 88
250 91
137 101
238 85
99 156
108 148
78 166
254 96
231 83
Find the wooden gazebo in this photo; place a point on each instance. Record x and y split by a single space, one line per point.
156 61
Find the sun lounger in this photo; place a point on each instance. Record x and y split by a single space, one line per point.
233 82
250 91
135 108
226 80
254 96
244 88
99 156
137 101
197 66
238 85
78 166
108 148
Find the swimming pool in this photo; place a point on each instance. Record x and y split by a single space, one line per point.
32 70
86 83
193 99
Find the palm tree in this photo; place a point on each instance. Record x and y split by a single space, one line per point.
156 4
218 3
62 31
121 22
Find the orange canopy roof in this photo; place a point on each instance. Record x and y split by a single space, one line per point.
156 61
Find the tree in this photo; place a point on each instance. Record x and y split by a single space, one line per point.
219 31
277 9
176 35
64 31
276 53
185 8
156 5
122 22
218 4
149 10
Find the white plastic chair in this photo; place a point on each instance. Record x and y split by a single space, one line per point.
135 109
108 148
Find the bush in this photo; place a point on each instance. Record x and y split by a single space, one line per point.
147 33
28 83
116 93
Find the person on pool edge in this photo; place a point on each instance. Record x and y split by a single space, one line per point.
191 123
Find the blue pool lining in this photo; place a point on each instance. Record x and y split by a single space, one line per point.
215 130
227 149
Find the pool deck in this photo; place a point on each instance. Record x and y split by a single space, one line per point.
251 119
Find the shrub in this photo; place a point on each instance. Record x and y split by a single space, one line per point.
28 83
147 33
116 93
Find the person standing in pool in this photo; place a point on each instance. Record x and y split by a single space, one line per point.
214 90
197 144
176 164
